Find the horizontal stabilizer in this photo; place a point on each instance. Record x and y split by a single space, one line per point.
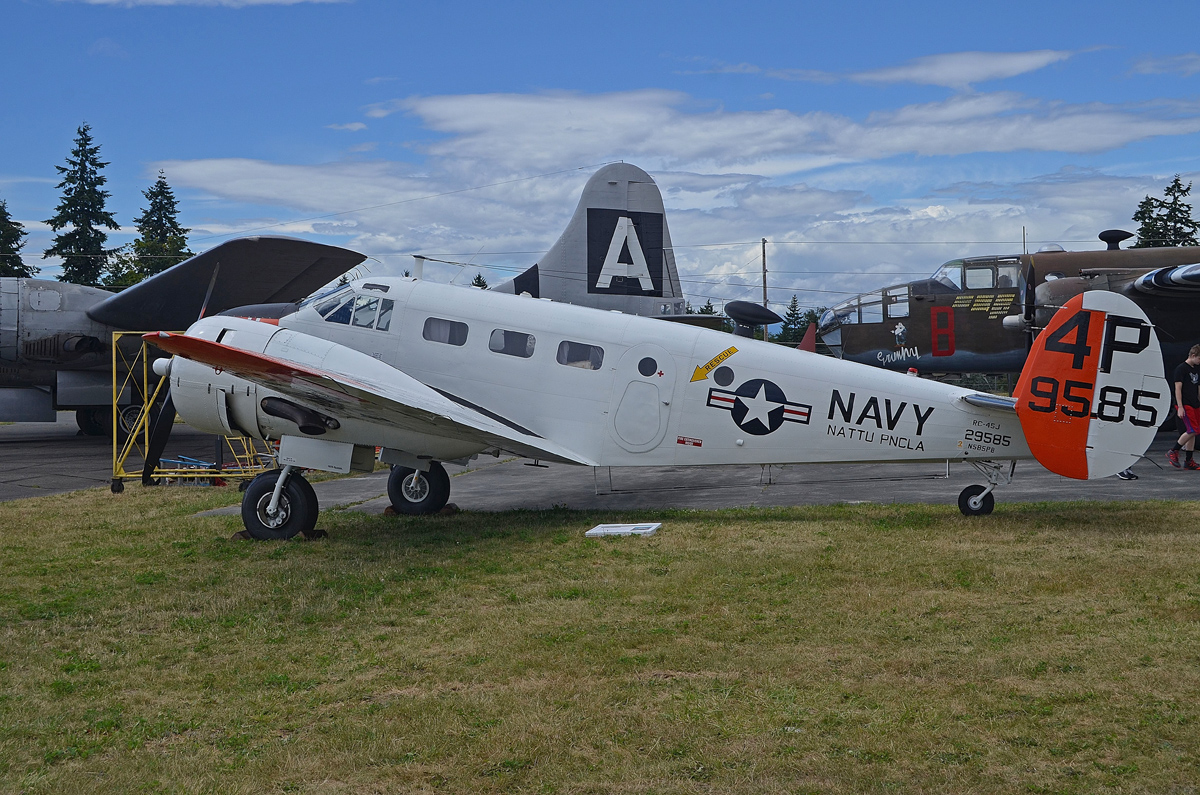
248 270
1092 394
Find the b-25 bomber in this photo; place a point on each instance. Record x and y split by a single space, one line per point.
980 314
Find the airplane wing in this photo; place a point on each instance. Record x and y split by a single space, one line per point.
249 270
380 394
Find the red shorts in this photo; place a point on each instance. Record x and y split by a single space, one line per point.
1190 421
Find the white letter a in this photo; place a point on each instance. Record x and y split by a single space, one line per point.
637 269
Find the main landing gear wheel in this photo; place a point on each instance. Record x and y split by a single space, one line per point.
972 504
92 421
295 513
414 492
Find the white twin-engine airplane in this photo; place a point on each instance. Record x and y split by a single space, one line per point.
431 373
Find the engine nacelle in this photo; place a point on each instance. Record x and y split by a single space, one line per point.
221 403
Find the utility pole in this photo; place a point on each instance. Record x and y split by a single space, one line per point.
764 266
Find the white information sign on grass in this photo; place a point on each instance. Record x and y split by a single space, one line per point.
644 529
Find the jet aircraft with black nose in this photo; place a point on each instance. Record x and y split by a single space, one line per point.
980 314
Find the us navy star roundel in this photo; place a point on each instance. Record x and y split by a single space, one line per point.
759 406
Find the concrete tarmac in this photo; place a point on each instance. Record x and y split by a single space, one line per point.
47 458
40 458
490 485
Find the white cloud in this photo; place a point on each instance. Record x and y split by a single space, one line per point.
838 197
1186 65
958 70
962 69
658 127
353 126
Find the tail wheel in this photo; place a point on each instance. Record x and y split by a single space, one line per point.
414 492
295 513
972 504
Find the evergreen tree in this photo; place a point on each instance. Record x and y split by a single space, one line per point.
479 281
11 233
82 209
794 326
1167 222
161 241
708 308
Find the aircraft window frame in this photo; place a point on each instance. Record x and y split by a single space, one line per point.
1010 271
337 315
582 355
384 321
444 331
950 274
512 343
333 293
871 312
897 305
974 270
366 307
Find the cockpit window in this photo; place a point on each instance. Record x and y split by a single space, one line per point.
897 302
950 274
342 313
322 299
365 308
385 314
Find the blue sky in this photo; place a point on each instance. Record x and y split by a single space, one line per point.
868 141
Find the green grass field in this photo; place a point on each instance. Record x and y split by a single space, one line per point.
1047 648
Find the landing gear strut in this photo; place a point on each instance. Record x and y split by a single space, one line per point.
279 504
414 492
977 500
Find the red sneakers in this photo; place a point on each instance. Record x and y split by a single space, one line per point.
1191 465
1173 457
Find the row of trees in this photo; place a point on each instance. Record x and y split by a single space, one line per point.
1167 221
80 220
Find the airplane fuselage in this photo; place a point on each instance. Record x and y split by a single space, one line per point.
623 390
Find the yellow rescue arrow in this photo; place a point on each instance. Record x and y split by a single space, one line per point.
703 370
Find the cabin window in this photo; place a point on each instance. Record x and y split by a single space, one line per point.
580 354
342 313
450 332
1009 276
385 314
365 309
980 277
511 343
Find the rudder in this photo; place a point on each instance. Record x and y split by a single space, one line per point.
1092 394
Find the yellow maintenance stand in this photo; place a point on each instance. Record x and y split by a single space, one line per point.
131 371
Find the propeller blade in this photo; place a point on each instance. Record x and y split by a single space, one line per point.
160 433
